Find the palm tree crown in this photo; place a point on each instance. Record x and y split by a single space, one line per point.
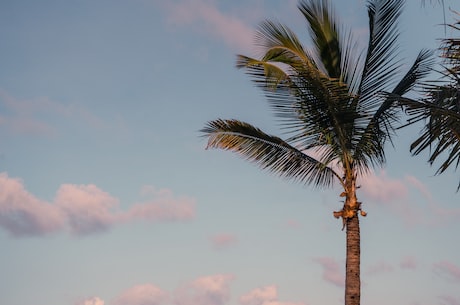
328 102
326 97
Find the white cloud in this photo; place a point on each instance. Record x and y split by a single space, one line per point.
82 209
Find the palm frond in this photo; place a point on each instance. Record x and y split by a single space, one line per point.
421 67
335 47
280 44
382 124
266 74
441 133
324 33
381 65
315 108
269 152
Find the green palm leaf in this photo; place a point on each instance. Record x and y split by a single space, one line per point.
380 66
268 152
440 111
381 126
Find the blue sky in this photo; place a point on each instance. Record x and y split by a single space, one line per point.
108 196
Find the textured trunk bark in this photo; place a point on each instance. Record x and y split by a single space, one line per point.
352 275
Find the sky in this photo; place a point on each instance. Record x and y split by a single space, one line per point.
109 197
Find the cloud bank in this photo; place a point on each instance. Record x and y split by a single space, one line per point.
81 209
205 290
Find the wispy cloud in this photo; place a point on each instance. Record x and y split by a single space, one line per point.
380 188
147 294
449 300
447 270
267 295
400 197
81 209
38 116
379 268
332 271
408 262
205 17
206 290
223 241
292 224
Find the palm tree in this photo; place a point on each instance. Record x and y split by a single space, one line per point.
327 100
440 110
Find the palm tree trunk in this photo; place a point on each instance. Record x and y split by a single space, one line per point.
352 276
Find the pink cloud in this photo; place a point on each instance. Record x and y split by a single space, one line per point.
161 205
206 290
82 209
332 271
379 268
408 262
267 295
22 214
394 195
206 17
259 296
293 224
88 209
91 301
380 188
449 300
419 186
223 241
447 270
147 294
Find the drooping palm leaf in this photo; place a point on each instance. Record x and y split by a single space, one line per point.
441 133
269 152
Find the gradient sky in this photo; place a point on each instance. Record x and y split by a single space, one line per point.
108 196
